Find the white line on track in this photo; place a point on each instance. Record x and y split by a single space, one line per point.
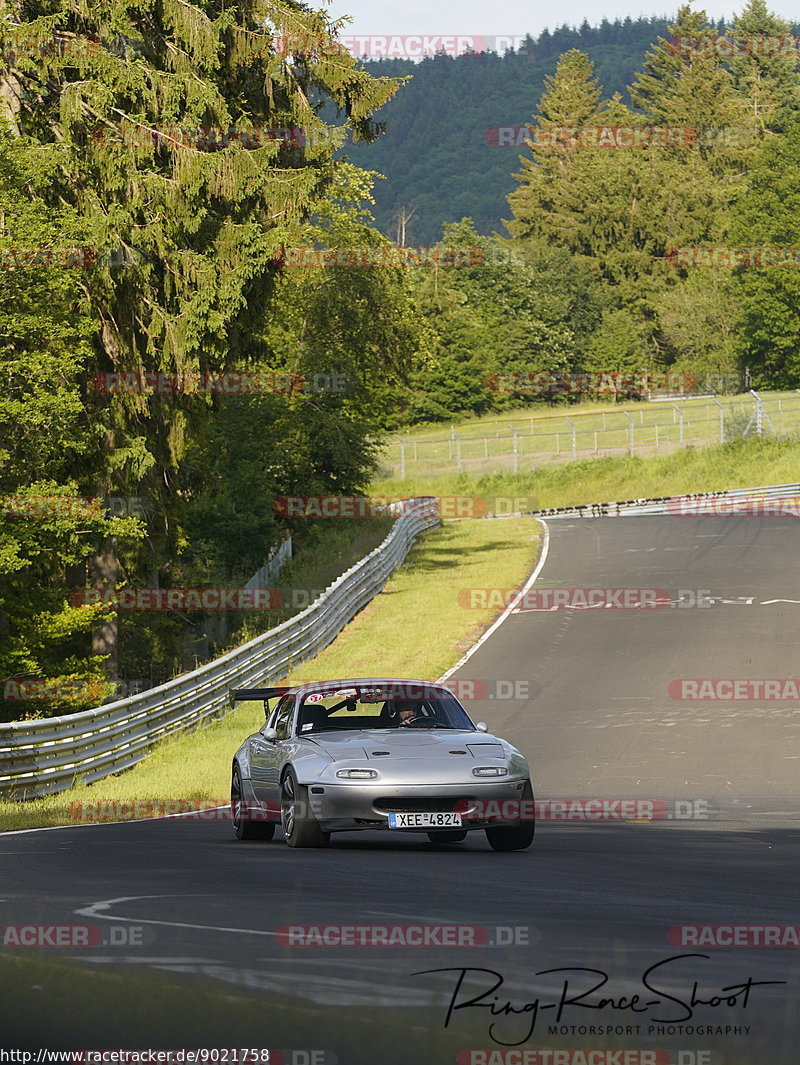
94 910
511 606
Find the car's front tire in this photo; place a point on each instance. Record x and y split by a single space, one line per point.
242 826
447 836
300 827
515 837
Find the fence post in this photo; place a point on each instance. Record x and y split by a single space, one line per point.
630 432
513 429
458 453
574 438
721 420
675 407
402 444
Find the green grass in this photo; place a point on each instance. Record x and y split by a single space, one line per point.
414 628
544 435
740 464
325 553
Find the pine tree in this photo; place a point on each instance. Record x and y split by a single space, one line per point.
766 83
542 203
684 83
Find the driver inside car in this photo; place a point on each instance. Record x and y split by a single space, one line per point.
407 714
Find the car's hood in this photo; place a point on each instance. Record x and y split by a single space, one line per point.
382 746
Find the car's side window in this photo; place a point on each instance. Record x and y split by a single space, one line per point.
283 716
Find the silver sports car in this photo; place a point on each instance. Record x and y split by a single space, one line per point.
398 755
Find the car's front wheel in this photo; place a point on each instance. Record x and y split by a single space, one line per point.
515 837
242 826
447 836
300 827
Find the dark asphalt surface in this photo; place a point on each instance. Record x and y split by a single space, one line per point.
598 722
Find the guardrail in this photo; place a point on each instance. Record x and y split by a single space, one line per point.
763 501
47 755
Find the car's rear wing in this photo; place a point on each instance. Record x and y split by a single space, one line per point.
245 695
248 695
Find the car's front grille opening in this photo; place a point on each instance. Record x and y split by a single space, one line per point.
392 805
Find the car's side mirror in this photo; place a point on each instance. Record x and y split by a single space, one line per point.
482 726
270 735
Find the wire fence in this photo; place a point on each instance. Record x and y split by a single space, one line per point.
520 444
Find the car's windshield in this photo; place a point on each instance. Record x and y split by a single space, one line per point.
388 707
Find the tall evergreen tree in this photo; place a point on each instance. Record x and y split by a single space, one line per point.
542 202
768 83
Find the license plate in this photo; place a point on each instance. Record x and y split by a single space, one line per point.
425 820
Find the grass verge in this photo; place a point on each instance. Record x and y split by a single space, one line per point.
414 628
740 464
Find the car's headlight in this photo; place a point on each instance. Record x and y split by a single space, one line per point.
489 771
357 774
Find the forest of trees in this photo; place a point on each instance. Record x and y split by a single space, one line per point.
587 275
174 256
434 157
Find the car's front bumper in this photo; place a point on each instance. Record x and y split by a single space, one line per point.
361 805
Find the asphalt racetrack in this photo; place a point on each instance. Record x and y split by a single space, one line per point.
563 934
